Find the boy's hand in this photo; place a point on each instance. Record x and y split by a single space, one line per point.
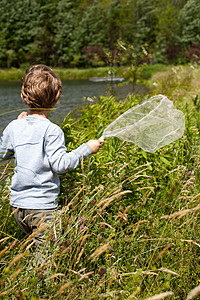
95 145
22 115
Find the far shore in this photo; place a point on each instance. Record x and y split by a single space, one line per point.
16 74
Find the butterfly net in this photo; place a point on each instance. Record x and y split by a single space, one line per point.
150 125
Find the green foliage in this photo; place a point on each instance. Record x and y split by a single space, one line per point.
58 32
146 20
166 32
93 27
136 63
189 22
66 25
17 32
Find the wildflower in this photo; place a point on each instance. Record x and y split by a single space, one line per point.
144 51
39 273
2 284
102 227
120 207
102 271
90 99
125 217
108 255
54 239
64 245
189 173
82 220
93 201
83 227
18 294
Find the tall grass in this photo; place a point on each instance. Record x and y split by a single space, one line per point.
128 225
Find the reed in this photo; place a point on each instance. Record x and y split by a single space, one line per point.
193 293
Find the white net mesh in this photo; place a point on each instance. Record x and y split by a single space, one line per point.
150 125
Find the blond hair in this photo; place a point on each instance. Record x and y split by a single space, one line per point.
41 87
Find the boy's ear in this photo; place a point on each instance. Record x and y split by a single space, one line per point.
23 100
54 104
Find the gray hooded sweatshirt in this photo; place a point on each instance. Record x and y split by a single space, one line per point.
39 149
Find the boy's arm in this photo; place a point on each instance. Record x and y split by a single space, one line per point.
6 149
61 160
5 153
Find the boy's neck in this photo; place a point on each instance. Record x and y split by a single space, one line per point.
42 113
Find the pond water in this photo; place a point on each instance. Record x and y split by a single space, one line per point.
75 94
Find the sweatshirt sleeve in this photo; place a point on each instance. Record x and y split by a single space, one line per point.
6 147
59 159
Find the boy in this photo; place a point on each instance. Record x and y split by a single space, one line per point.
38 146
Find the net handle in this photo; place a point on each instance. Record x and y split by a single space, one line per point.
101 138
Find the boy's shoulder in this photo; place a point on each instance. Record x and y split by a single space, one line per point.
33 123
32 130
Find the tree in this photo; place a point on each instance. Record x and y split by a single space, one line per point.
79 32
42 49
189 20
67 21
167 45
114 22
17 30
145 24
92 33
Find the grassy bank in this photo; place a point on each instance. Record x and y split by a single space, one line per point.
17 74
129 219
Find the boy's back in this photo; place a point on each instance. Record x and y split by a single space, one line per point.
39 150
